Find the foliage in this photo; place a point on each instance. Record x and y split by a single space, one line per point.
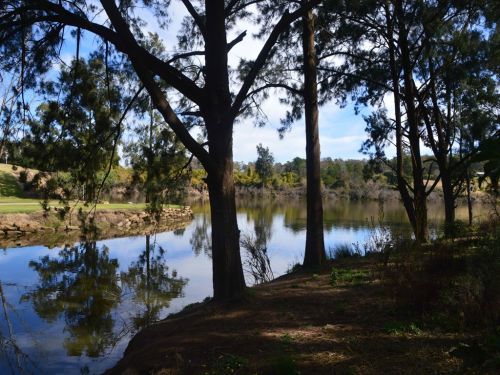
82 127
449 284
264 164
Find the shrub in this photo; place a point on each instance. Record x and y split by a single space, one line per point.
344 251
23 176
452 284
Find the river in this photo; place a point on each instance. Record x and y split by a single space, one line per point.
72 309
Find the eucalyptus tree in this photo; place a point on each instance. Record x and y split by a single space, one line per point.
201 88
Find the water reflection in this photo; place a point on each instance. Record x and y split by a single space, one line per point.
152 284
256 261
81 285
201 240
10 352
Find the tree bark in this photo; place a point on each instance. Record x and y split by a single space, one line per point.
315 247
401 182
419 193
449 201
228 279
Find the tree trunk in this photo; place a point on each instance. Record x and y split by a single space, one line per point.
469 200
449 202
315 246
228 279
419 193
401 182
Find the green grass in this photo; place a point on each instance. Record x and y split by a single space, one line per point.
11 200
9 186
19 205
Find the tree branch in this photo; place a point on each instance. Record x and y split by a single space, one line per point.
196 16
264 53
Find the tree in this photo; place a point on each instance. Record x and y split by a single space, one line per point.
202 86
429 47
158 160
77 134
264 164
314 253
364 38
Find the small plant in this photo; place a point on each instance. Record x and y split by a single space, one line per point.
45 207
292 268
398 328
348 276
228 364
345 250
334 276
23 177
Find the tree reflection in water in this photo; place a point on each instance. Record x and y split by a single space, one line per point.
151 284
200 239
84 287
255 259
10 352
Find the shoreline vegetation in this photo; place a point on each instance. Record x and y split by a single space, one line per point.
372 314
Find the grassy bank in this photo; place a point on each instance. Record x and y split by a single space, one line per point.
405 310
21 205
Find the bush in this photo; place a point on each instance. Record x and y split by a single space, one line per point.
23 176
451 284
344 251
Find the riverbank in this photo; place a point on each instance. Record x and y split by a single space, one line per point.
327 322
37 228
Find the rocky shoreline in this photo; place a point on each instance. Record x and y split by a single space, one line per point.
36 229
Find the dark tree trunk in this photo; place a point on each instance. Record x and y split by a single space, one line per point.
419 192
469 199
228 279
449 201
401 182
315 246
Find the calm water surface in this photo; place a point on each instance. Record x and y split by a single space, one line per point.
73 309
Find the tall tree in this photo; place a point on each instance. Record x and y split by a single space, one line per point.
314 253
203 89
360 41
264 164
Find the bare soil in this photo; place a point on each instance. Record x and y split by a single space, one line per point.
297 324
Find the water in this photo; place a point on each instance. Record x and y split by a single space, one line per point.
73 309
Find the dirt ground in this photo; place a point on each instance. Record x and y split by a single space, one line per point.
297 324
